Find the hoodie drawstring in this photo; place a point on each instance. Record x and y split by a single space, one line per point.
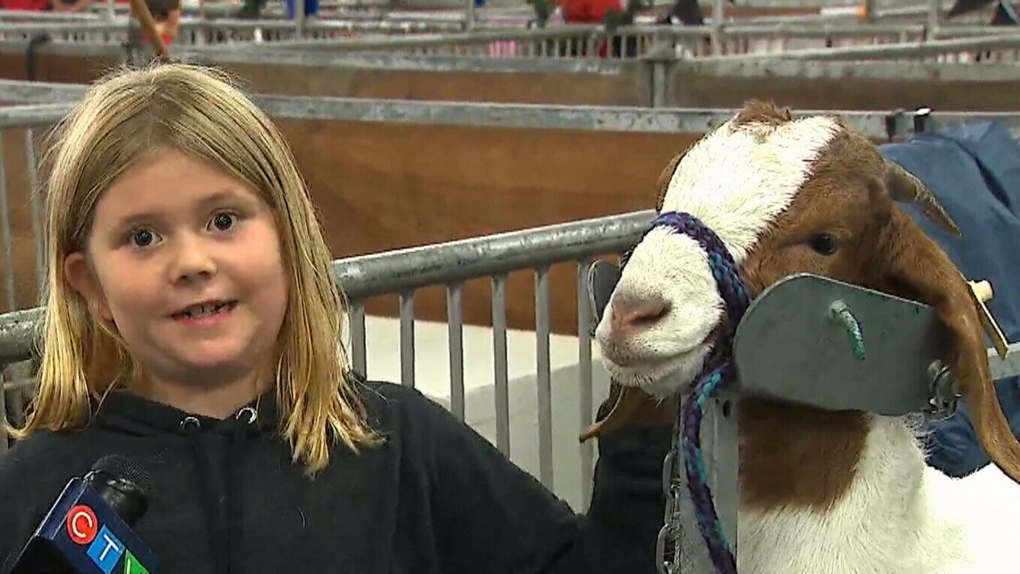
235 505
225 532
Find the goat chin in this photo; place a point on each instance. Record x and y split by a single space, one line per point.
899 517
662 382
660 388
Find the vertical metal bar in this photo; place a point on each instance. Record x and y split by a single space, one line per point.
299 19
542 329
470 17
359 356
4 445
455 323
658 70
717 27
502 382
659 81
407 339
720 445
934 13
35 203
5 231
584 379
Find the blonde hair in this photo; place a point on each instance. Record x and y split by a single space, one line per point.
126 118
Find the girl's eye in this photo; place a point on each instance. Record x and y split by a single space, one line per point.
224 221
143 237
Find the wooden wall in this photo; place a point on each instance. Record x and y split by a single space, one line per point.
384 186
625 88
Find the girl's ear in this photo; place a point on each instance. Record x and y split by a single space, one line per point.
81 278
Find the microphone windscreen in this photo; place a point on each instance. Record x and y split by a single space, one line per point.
126 469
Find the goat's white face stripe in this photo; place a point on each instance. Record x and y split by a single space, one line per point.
736 181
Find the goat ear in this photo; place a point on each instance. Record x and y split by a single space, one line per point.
662 184
629 407
917 265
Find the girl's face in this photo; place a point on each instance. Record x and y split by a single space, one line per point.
185 262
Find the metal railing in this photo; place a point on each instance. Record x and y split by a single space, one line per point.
50 101
629 42
441 38
404 272
202 32
36 119
965 47
401 273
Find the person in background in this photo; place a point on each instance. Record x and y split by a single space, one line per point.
25 5
612 14
72 5
167 16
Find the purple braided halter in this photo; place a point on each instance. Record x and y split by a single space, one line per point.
735 296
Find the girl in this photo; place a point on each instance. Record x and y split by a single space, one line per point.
191 307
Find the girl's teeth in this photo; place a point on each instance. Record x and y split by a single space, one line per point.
204 310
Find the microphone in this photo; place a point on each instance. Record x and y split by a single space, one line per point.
88 529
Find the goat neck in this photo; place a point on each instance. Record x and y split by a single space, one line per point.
836 492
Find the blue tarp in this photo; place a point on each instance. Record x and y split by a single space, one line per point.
974 170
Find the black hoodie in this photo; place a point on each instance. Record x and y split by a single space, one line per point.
435 498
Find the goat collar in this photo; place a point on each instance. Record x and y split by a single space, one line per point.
718 371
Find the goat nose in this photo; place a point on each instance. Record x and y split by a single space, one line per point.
635 314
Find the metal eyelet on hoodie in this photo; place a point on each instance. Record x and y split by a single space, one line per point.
247 412
190 423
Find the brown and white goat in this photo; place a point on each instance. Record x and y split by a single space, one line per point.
821 492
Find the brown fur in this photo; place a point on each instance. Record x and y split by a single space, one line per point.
759 112
654 412
797 456
662 184
789 454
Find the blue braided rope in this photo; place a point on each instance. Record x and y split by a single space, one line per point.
709 525
736 299
842 313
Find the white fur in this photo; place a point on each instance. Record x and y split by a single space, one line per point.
899 516
736 182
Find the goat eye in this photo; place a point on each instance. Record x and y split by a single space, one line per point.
823 243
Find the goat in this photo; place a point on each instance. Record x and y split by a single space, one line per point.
820 492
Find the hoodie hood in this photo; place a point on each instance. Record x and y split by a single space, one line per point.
219 448
125 413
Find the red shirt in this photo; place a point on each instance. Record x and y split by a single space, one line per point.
589 12
167 40
31 5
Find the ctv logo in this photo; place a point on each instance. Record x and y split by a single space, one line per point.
104 548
